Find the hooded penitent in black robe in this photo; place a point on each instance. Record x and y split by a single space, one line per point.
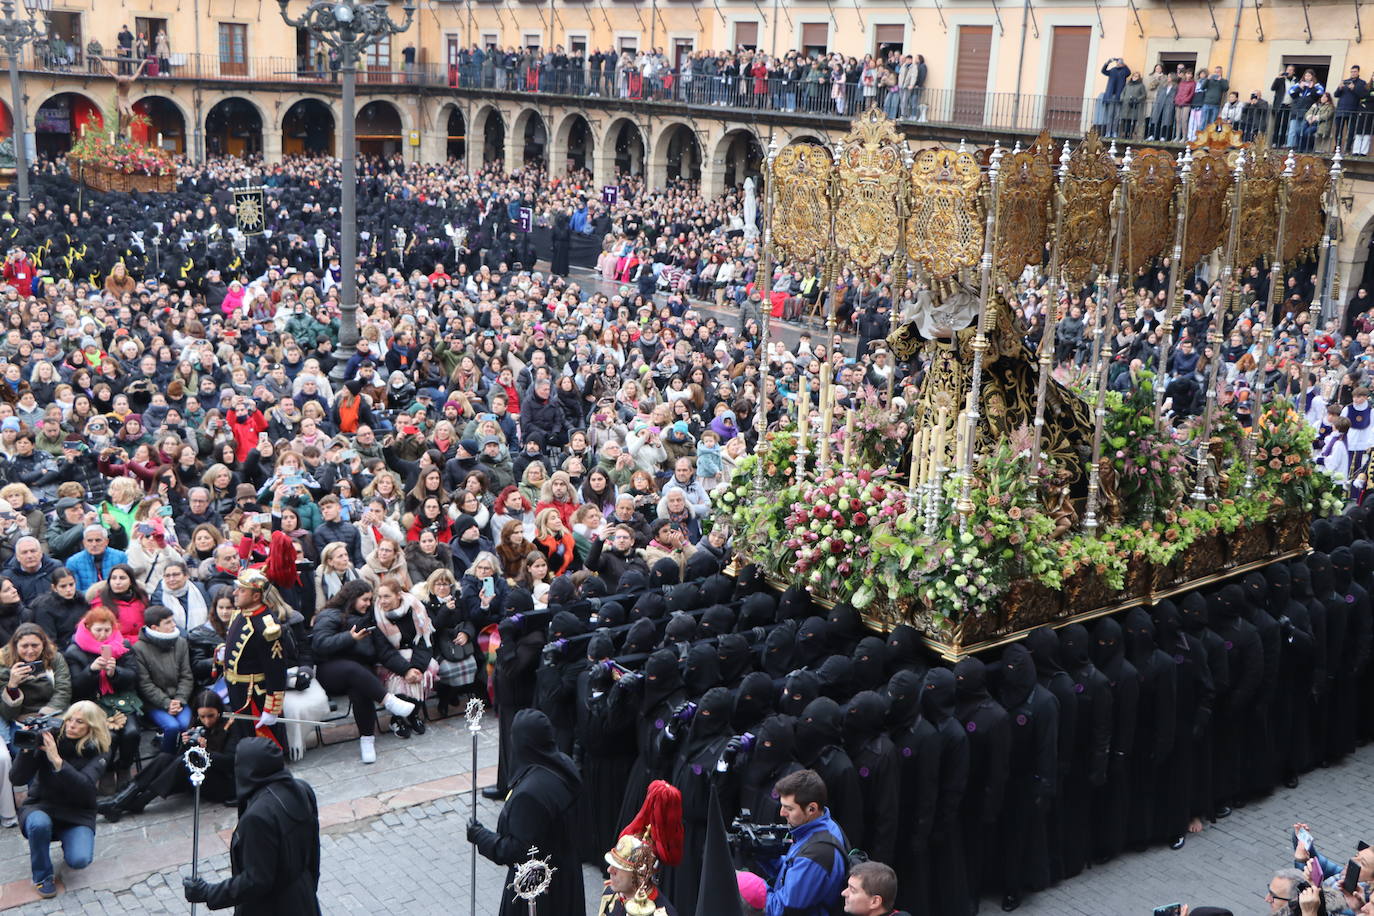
989 739
875 759
1245 667
517 659
1194 696
1293 683
555 681
1111 803
949 892
820 747
1328 723
1262 772
646 703
1363 551
275 851
1154 724
1032 775
693 771
539 813
769 761
918 789
904 651
604 750
811 643
1092 746
845 629
753 702
701 671
869 663
1309 716
1356 658
800 688
1043 644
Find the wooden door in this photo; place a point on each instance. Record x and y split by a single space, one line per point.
971 73
1068 67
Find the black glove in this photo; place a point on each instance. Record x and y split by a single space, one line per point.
197 889
475 829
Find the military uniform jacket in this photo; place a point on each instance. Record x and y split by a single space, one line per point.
612 904
254 655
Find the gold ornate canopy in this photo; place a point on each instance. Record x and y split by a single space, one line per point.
1087 232
1259 205
1302 231
1026 182
869 188
1149 196
801 178
945 231
1206 206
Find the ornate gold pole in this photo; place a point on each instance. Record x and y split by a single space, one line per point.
980 344
1266 330
1322 294
1215 328
1047 344
764 279
1102 362
1166 329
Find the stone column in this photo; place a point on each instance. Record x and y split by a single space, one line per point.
271 143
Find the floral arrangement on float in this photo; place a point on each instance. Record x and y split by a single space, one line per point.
107 160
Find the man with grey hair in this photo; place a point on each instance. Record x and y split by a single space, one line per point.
1283 889
198 512
30 569
93 562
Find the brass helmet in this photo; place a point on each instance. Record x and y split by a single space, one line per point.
635 854
254 579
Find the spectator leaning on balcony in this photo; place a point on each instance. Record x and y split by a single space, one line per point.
1132 104
1282 103
1301 96
1350 98
1254 116
1214 96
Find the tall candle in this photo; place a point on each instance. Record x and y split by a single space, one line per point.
803 416
960 433
941 421
849 438
914 479
827 420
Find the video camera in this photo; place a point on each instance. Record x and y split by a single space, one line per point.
750 842
29 735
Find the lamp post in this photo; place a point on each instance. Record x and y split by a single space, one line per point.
350 28
15 34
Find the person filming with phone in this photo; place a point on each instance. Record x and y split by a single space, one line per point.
1353 878
35 677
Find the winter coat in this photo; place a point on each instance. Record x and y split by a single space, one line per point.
52 692
164 670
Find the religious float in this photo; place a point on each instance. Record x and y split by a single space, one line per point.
107 158
1002 495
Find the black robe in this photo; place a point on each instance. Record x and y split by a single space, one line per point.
1043 644
604 749
1364 577
1194 696
1262 768
275 851
1032 776
1194 612
1330 743
918 789
820 747
1156 714
876 761
769 761
1293 682
1357 645
538 812
1309 714
1111 803
1091 750
989 731
949 891
645 703
1245 667
693 770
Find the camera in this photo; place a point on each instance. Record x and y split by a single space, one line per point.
29 735
193 735
750 841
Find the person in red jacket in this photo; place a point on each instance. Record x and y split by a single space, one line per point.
246 422
19 272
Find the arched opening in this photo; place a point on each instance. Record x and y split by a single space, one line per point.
60 120
682 154
166 128
629 149
534 139
580 144
741 156
233 128
808 138
307 129
6 121
378 129
493 137
456 147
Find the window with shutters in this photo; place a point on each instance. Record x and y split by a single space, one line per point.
888 38
378 61
233 49
971 73
1068 70
815 38
746 35
1319 64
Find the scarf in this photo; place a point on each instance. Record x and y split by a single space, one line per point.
334 581
189 604
423 627
86 641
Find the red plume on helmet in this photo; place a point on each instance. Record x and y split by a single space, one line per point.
661 816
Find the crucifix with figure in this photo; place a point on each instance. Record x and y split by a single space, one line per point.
124 83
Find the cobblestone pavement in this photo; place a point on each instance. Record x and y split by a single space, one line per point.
394 842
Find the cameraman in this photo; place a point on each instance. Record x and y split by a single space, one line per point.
167 775
811 874
61 773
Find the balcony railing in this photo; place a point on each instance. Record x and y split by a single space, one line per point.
1063 116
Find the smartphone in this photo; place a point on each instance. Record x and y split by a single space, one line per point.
105 651
1171 909
264 518
37 666
489 587
1351 882
1302 838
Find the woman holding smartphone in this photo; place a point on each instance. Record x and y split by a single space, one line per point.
348 648
483 591
34 676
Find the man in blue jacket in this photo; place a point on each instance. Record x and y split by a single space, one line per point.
811 874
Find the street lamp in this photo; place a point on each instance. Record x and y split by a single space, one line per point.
350 28
15 33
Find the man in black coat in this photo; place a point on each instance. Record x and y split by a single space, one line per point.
1033 774
275 850
538 813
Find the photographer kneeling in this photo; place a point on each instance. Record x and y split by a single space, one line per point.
811 874
61 765
167 775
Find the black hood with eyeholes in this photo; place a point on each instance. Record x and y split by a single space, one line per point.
837 678
1075 648
682 628
700 565
662 679
903 700
710 723
600 646
1343 570
701 672
1280 582
778 655
566 624
774 743
1323 535
610 614
1363 552
1323 585
937 695
800 688
732 651
649 606
719 589
1256 589
1193 612
717 621
870 663
753 701
758 610
684 597
640 638
812 641
1169 627
665 572
845 627
750 579
1043 644
970 687
904 650
864 719
1109 650
1300 576
1016 676
794 604
259 765
820 726
1139 634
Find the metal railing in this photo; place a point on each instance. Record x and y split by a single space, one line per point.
814 96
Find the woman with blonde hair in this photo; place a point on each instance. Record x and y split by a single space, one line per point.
121 505
334 571
532 480
34 678
387 561
62 773
455 637
22 500
387 487
555 541
403 621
